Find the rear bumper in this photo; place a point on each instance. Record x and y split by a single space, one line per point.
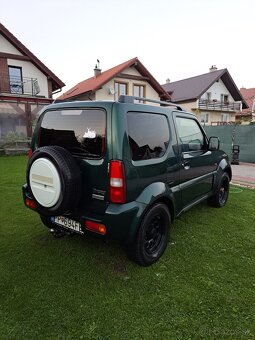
121 220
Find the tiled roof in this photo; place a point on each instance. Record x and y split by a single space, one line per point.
249 96
56 82
193 88
96 82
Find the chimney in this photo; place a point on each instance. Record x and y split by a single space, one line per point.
213 68
168 81
97 69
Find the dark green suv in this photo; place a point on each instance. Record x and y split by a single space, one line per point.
122 170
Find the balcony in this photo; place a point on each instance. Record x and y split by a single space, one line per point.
19 86
215 105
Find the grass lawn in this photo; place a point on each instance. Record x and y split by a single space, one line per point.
82 288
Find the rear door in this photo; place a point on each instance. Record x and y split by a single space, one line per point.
197 162
83 132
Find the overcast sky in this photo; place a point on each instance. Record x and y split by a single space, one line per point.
173 39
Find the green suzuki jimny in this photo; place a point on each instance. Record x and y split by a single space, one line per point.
122 170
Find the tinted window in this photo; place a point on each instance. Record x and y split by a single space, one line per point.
190 134
148 135
82 132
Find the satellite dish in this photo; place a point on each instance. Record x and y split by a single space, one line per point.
111 90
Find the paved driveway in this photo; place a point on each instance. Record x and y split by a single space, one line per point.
244 174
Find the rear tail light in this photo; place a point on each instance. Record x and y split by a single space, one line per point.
30 203
95 227
29 153
117 192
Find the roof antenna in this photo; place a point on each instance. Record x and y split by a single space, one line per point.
97 69
98 64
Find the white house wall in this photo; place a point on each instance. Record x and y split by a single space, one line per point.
104 93
30 71
6 47
216 90
188 106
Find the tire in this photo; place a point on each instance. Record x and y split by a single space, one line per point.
220 197
152 237
54 180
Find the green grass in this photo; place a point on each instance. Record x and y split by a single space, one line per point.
82 288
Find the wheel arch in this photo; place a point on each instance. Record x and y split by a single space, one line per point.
223 166
157 193
162 199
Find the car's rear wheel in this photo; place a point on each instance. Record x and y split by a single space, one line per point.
152 236
220 197
54 180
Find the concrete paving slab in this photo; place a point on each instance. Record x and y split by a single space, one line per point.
244 175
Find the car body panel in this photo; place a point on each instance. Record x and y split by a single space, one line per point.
179 179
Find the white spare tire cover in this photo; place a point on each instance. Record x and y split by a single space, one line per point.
45 182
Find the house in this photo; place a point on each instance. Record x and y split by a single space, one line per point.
247 115
26 85
129 78
213 97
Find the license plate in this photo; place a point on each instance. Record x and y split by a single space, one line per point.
67 223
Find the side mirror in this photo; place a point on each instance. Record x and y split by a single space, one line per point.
214 143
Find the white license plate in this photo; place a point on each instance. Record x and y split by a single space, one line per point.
67 223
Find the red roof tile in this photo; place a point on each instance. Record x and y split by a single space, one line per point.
249 96
96 82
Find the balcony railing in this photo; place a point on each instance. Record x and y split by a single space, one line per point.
19 86
219 105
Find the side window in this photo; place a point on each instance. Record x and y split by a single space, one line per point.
190 134
148 135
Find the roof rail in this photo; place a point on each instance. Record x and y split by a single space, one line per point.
131 99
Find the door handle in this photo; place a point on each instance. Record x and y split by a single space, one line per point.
185 164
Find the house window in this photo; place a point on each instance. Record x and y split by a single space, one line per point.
225 117
139 91
15 75
208 96
224 98
120 88
204 117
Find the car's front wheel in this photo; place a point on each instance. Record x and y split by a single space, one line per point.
152 236
220 197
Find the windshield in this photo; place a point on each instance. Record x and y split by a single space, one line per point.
80 131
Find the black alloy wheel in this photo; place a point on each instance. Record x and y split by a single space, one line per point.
152 236
220 197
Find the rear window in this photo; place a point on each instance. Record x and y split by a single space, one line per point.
148 135
82 132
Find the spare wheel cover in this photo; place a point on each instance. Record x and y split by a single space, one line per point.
45 182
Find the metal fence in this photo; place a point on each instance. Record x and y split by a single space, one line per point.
19 85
